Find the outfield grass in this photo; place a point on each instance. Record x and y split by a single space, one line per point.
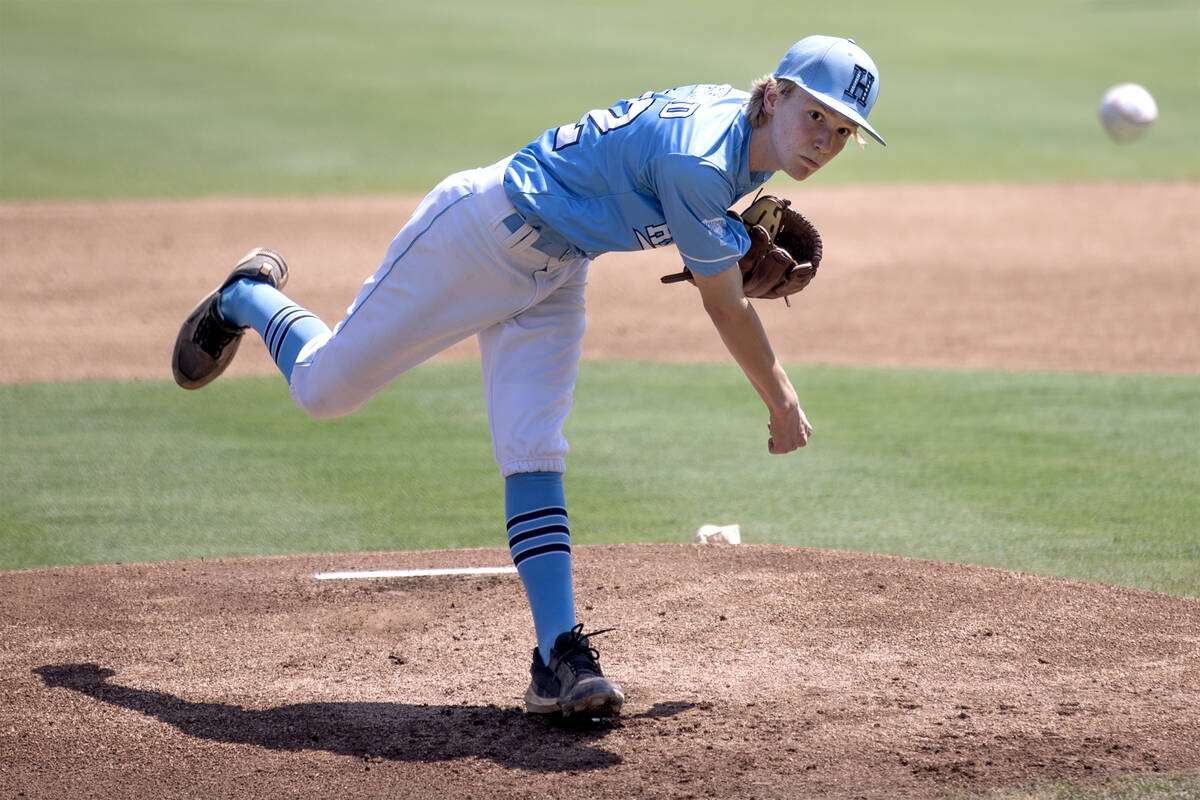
124 98
1083 476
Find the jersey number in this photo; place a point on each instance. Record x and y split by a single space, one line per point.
622 114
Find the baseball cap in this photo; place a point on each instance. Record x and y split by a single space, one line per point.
837 72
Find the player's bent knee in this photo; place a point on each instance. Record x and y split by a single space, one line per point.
324 400
328 406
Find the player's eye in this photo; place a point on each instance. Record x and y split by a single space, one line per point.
843 132
816 115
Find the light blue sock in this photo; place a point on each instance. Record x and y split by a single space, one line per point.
284 326
539 539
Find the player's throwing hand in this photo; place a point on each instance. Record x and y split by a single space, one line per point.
788 431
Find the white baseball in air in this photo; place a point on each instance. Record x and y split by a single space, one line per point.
1127 111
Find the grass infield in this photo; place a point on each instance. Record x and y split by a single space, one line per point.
1084 476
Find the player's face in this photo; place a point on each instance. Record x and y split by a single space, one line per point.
804 134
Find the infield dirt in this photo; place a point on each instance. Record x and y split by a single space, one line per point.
752 671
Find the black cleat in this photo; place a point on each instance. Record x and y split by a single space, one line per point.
206 342
573 683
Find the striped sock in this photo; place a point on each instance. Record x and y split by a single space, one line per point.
539 539
284 326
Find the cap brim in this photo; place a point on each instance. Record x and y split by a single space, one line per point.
845 110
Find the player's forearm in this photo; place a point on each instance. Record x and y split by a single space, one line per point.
746 340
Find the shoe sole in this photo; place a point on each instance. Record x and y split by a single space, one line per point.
536 703
271 269
603 700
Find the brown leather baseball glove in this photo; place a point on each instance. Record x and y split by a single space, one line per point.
785 250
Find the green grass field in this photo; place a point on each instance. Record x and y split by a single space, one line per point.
987 468
114 98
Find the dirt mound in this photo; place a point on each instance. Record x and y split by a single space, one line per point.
750 670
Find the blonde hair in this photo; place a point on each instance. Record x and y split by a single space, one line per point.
758 90
754 110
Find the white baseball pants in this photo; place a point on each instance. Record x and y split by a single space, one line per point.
464 265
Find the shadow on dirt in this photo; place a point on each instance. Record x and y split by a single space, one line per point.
369 731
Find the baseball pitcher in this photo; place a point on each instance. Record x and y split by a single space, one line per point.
502 253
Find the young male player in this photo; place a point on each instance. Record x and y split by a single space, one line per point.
502 253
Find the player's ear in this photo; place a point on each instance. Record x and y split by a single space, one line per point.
770 97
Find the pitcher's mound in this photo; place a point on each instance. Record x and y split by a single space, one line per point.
750 671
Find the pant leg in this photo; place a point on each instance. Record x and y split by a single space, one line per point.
530 363
453 270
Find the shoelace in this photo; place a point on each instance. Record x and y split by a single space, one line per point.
212 336
581 647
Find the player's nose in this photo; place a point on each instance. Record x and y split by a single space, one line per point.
822 139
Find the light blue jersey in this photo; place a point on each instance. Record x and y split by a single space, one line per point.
657 170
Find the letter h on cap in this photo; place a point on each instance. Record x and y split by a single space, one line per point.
860 86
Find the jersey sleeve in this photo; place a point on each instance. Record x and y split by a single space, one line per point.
695 196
